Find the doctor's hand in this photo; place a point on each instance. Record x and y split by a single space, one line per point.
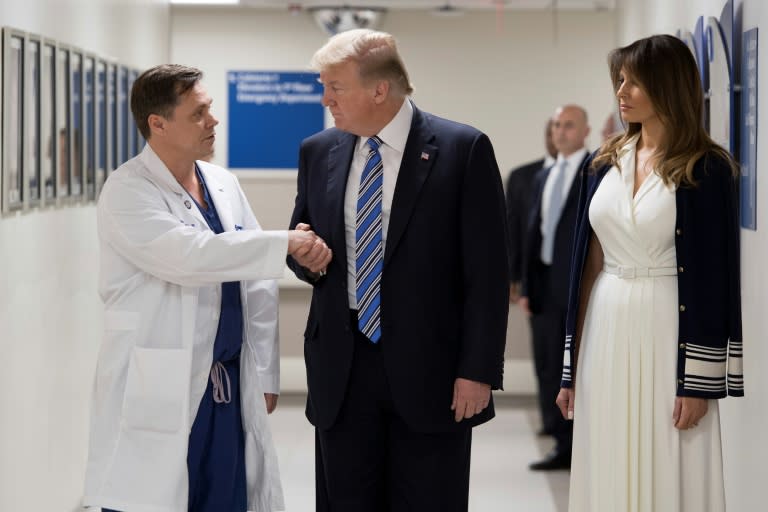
299 240
469 398
315 256
271 401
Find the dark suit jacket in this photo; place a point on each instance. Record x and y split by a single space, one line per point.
444 288
550 291
519 199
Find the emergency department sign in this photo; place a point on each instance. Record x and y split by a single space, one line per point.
270 113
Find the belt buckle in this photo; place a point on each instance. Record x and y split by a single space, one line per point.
627 272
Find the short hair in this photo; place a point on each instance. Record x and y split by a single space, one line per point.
375 52
159 90
578 108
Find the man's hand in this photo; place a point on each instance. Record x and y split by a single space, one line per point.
313 255
514 292
688 411
271 401
524 305
469 398
299 239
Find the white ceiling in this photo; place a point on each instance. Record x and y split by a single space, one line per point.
433 4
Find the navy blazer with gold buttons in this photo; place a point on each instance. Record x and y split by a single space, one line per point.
709 363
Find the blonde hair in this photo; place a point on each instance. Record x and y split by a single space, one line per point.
666 71
375 53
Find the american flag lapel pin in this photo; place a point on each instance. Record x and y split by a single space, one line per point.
424 156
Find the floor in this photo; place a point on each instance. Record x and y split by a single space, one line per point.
501 450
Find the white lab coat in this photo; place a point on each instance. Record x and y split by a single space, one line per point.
160 281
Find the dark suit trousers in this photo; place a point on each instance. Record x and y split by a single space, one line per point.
370 461
548 333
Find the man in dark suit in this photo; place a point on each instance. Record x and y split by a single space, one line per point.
406 330
519 198
546 271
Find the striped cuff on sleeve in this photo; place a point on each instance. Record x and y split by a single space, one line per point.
567 380
704 370
735 369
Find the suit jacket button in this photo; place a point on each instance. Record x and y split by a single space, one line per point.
679 231
680 269
679 381
682 345
682 307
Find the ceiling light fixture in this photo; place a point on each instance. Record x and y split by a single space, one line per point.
447 10
340 19
205 2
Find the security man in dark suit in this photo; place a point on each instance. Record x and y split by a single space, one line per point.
519 197
406 330
546 271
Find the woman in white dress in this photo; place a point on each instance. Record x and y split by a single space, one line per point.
654 318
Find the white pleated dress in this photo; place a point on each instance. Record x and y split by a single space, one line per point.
627 454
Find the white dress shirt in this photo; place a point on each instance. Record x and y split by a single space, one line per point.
572 163
393 137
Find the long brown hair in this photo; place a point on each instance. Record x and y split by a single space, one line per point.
665 70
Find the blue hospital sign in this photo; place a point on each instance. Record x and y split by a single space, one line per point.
270 113
749 130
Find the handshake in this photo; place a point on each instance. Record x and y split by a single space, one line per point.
309 250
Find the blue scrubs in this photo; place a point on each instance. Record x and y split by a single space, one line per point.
216 455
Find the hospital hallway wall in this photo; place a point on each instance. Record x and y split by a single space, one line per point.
504 75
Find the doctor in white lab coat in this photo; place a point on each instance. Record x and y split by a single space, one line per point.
161 275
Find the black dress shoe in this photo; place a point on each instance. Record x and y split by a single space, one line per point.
556 459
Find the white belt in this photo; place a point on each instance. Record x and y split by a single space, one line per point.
633 272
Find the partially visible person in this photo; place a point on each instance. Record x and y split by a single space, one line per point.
654 313
518 196
189 363
612 126
546 271
406 331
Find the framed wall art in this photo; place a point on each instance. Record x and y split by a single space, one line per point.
13 120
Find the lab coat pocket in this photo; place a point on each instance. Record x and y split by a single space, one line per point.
156 389
120 320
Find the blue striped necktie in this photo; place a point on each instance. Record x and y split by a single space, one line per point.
369 252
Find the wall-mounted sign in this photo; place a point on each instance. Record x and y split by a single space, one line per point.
727 62
720 85
701 49
730 30
270 113
749 130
